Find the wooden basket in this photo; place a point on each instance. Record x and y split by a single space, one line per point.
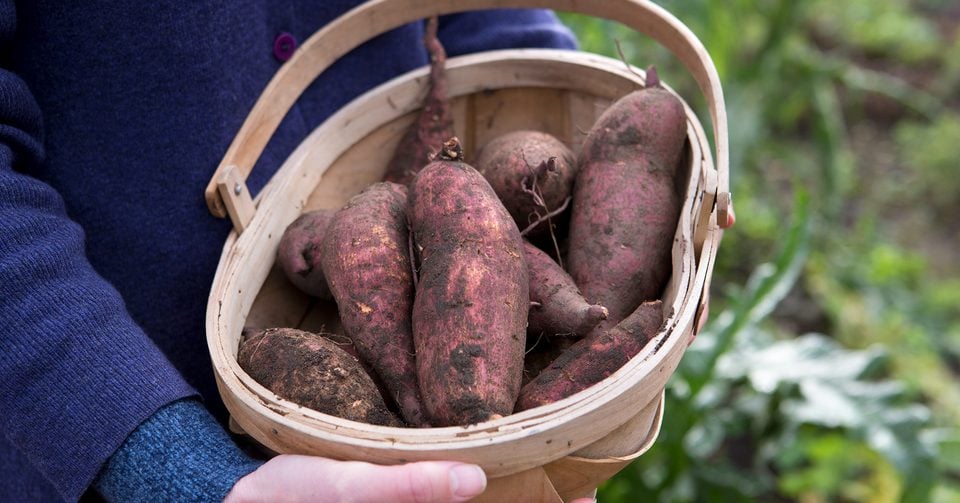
551 453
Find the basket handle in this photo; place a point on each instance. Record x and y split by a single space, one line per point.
226 194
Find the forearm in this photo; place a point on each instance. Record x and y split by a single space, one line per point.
179 454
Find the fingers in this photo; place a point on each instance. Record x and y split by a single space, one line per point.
315 479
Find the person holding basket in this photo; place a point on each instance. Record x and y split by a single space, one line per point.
113 115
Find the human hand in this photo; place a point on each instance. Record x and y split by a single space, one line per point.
290 477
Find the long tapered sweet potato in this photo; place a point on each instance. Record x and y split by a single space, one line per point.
556 305
312 371
366 260
472 298
626 203
532 172
593 358
299 252
434 123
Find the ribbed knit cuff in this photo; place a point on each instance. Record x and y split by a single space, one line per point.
179 454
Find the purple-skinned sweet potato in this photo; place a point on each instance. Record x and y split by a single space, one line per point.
556 306
626 203
299 252
314 372
434 123
594 358
366 260
532 172
472 298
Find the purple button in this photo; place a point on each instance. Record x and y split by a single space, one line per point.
283 46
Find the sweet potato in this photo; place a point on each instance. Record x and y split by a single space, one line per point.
532 172
365 257
593 358
626 202
472 298
312 371
434 123
299 252
556 305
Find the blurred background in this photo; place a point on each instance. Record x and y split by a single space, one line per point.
830 370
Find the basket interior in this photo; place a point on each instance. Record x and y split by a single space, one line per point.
478 117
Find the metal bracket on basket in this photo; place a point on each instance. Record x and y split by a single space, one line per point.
236 198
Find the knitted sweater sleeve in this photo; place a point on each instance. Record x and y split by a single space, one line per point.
179 454
62 411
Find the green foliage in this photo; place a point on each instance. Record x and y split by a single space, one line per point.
894 29
820 465
931 148
829 370
752 415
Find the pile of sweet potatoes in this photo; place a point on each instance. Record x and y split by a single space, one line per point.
473 290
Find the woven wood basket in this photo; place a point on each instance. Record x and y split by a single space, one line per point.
551 453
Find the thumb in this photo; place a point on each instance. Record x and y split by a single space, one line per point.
421 482
290 477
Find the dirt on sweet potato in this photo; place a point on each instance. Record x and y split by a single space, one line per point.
314 372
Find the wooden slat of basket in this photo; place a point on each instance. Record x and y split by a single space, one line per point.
576 476
531 485
511 109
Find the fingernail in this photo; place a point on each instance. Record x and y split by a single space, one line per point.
467 481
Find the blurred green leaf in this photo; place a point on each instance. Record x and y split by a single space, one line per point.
895 29
931 149
804 359
836 465
767 286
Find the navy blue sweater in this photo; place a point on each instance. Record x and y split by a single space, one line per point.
113 117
